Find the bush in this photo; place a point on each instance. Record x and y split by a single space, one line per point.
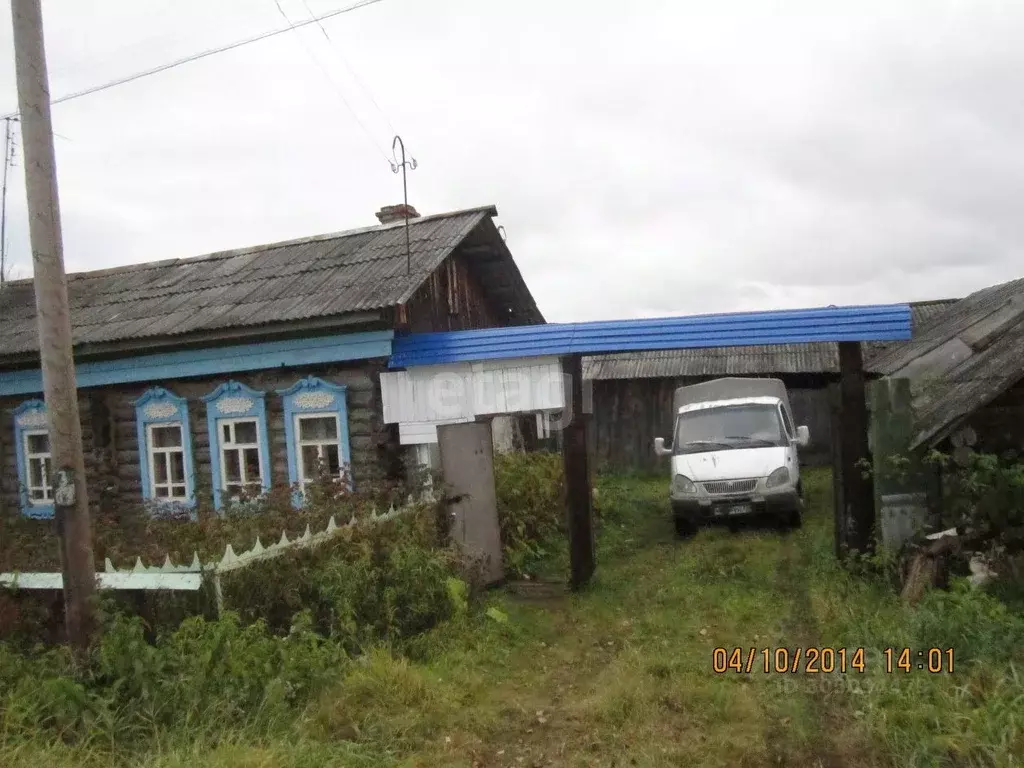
531 507
203 677
984 496
384 582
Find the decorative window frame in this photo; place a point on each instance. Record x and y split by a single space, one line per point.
30 416
310 396
230 401
158 406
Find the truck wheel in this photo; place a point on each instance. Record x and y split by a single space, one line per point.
684 527
793 519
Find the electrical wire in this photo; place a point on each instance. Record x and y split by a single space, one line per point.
202 55
337 88
337 52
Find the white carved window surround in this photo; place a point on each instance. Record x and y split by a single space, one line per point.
236 418
34 459
316 430
165 448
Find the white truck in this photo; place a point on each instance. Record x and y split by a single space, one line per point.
734 453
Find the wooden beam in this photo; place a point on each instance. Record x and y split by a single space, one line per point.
858 513
576 464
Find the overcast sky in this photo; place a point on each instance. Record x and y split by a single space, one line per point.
646 158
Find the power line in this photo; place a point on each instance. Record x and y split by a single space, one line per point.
337 88
337 52
203 54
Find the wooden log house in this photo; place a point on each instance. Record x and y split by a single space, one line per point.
246 368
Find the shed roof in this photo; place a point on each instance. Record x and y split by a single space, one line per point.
813 357
881 322
962 359
309 278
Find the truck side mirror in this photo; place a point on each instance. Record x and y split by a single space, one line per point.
803 436
659 447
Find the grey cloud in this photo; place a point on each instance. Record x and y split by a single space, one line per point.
655 158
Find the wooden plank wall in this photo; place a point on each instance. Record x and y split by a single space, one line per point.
452 299
630 413
111 443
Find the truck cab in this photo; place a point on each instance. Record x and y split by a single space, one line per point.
734 453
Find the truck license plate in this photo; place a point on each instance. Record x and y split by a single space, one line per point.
739 509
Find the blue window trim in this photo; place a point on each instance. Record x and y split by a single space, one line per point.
144 416
212 361
230 401
293 406
26 418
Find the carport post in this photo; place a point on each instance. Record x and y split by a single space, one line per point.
856 518
576 465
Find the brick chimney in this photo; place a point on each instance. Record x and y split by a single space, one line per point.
390 213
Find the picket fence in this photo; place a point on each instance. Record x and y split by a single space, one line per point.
169 576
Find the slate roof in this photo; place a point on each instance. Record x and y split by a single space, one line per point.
812 358
314 277
962 359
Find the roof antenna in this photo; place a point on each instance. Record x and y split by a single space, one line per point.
395 166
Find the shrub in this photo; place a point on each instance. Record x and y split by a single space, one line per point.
531 506
204 676
384 582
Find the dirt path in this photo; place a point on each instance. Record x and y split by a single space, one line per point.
800 628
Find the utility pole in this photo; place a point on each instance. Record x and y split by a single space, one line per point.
8 158
70 500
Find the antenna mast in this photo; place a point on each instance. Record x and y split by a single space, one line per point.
395 166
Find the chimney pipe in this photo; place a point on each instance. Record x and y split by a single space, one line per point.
392 213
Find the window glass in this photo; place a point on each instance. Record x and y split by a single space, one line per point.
232 467
168 436
318 428
38 443
245 432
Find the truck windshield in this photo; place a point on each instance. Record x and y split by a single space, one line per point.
751 425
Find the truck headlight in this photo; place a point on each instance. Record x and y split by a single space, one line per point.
779 477
683 484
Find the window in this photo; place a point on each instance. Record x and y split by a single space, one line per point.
726 427
240 456
165 448
167 462
236 418
316 430
35 464
787 422
319 450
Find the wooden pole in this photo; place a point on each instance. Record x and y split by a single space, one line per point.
577 476
857 496
53 316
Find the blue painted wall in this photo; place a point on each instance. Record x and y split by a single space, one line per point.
212 361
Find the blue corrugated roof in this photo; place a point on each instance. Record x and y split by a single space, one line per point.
890 322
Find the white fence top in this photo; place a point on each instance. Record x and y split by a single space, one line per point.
190 577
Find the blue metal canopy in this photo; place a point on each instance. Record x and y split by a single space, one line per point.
887 322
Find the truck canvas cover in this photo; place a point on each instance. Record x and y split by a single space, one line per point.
732 388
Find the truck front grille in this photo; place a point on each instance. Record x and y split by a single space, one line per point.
718 487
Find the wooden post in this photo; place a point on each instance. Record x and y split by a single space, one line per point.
53 316
858 499
838 503
577 476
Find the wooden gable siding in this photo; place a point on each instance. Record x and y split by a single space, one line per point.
111 443
431 307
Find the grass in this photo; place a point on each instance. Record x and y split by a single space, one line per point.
622 674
